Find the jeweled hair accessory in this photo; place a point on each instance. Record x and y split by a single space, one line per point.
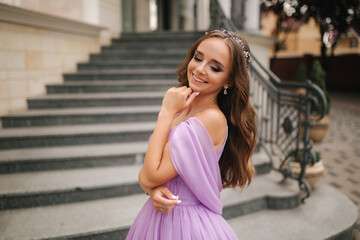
246 52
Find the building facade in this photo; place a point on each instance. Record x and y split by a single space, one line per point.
40 40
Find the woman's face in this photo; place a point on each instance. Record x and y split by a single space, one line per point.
209 70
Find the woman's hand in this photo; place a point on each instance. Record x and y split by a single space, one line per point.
177 99
163 200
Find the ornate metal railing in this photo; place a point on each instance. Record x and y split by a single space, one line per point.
283 117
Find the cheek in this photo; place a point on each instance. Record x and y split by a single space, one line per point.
219 78
191 66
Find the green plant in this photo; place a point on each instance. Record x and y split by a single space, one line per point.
318 77
298 155
301 75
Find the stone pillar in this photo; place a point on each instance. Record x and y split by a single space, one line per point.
252 16
202 15
187 16
226 6
237 13
142 16
128 19
174 15
91 11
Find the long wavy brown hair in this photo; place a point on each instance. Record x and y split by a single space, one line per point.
236 166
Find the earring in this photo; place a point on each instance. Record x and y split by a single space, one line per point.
225 90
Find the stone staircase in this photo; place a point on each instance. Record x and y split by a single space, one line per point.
69 165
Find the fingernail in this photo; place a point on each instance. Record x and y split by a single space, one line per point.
197 93
173 197
177 197
178 201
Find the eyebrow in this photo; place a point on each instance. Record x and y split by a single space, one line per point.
216 61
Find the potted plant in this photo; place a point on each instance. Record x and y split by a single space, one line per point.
319 128
301 77
314 171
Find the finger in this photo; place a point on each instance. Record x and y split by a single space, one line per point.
166 198
166 202
172 199
168 193
191 98
188 91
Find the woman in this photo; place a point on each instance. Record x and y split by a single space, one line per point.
202 142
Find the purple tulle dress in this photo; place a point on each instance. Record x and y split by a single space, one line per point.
198 186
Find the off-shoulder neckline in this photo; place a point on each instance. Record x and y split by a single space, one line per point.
198 120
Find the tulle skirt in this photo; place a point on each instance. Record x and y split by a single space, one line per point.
183 222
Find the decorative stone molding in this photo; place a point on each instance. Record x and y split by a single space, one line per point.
36 19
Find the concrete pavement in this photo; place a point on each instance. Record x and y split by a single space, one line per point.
340 149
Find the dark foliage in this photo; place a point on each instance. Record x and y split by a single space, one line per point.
335 17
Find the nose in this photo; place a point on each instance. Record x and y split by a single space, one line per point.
200 69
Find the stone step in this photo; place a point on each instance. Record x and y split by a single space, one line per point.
71 116
163 34
23 190
149 39
146 56
95 100
86 156
75 135
138 63
111 65
110 86
140 46
155 44
77 156
144 51
121 74
327 214
111 218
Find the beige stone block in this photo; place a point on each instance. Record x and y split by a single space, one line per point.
2 60
35 87
48 44
34 60
51 60
15 60
51 79
16 74
4 107
3 75
4 89
34 73
33 42
13 40
17 105
74 45
1 39
61 45
17 88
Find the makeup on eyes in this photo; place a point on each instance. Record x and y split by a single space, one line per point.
214 68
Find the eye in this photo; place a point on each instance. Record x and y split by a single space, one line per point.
197 58
215 69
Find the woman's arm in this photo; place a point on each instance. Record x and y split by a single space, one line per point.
158 167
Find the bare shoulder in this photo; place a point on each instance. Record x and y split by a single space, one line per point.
215 123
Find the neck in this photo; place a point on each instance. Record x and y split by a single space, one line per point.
203 102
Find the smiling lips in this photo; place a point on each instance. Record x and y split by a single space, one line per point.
198 79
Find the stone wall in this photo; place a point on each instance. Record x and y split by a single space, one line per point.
32 57
36 47
69 9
